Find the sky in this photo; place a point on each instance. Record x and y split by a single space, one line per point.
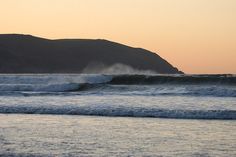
196 36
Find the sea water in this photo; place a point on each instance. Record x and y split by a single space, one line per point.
117 115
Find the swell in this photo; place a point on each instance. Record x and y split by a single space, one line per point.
121 112
174 79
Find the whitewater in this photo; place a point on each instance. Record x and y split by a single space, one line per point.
93 114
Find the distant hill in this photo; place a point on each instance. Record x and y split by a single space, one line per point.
29 54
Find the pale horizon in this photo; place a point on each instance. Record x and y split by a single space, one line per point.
196 36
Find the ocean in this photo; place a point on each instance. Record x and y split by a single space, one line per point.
117 115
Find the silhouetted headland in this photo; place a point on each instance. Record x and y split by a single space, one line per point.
29 54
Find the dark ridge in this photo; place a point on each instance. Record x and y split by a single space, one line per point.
179 79
29 54
122 112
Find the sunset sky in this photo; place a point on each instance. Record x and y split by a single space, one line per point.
197 36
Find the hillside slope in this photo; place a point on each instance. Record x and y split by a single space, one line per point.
29 54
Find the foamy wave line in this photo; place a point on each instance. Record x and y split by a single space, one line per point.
121 112
80 89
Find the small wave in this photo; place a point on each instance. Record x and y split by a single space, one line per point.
212 91
121 112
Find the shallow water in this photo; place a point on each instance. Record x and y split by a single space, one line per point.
48 135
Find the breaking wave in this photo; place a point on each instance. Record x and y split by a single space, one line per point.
146 85
40 88
48 83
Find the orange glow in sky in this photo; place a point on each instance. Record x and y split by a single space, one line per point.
197 36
